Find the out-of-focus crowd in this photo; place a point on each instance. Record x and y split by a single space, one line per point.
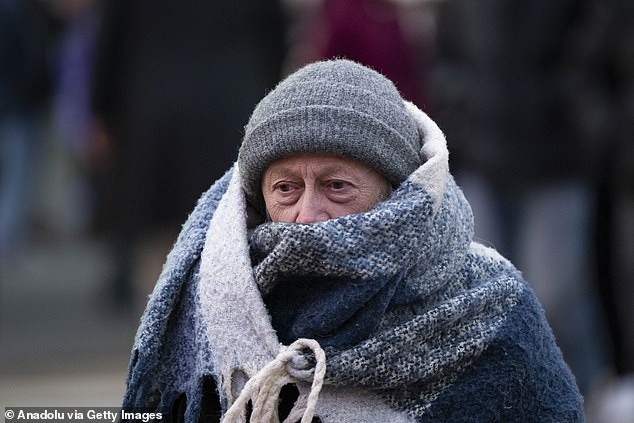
144 103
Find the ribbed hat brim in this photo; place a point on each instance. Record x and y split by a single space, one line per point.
329 130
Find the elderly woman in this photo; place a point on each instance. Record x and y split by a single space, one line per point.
331 276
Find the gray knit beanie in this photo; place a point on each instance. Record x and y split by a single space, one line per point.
336 107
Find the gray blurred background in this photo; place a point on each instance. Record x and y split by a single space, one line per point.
116 115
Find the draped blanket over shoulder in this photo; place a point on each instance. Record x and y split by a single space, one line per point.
418 322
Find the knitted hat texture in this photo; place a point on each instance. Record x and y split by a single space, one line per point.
336 107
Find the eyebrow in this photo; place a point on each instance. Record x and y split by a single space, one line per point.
289 169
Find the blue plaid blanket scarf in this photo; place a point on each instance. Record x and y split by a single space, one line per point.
418 322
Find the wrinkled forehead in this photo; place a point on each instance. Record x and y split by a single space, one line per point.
319 165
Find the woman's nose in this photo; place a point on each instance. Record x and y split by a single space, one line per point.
312 208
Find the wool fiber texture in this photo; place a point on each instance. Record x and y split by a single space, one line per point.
419 323
335 107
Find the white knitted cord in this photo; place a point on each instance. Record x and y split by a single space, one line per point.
263 389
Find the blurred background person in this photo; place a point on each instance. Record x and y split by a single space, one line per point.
603 106
507 90
602 81
24 92
136 94
174 85
394 37
74 135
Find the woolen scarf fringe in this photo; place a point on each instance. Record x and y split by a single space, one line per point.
407 307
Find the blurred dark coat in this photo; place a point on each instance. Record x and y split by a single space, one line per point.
175 84
504 89
24 82
371 32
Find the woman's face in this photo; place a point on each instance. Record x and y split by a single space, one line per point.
309 188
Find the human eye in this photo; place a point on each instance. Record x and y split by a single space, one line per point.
284 187
340 190
285 193
338 185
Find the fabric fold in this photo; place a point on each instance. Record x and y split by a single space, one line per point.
414 316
